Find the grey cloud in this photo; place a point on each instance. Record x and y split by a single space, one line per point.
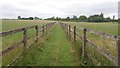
8 10
119 9
77 9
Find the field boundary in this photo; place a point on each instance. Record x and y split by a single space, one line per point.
39 29
72 33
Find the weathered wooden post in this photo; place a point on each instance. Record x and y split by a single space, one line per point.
46 28
25 38
36 34
43 29
118 51
67 29
62 25
84 43
70 31
74 33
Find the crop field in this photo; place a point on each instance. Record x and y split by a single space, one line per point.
56 48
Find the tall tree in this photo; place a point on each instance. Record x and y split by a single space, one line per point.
83 18
75 18
68 18
101 15
31 18
36 18
19 17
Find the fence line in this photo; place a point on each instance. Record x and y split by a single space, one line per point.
25 38
85 41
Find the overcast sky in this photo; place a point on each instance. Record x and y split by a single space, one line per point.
60 8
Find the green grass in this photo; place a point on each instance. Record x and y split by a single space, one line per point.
56 51
102 61
110 28
106 44
14 38
14 24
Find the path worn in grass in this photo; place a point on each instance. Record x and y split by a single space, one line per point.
56 51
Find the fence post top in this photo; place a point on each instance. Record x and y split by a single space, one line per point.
84 29
24 28
36 27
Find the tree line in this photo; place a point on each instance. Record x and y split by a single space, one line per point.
29 18
83 18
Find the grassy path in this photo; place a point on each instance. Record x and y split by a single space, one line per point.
56 51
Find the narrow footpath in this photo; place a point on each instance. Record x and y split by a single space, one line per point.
56 51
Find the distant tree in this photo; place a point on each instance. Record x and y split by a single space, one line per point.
90 19
96 18
19 17
24 18
108 19
68 19
101 15
119 20
83 18
75 18
40 18
53 18
31 18
57 18
36 18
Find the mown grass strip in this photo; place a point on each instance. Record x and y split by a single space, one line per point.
56 51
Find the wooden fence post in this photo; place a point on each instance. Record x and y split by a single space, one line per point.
43 29
67 29
74 33
118 51
25 38
36 34
46 28
70 31
84 43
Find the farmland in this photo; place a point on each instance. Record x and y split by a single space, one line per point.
56 46
107 45
7 41
107 27
13 24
